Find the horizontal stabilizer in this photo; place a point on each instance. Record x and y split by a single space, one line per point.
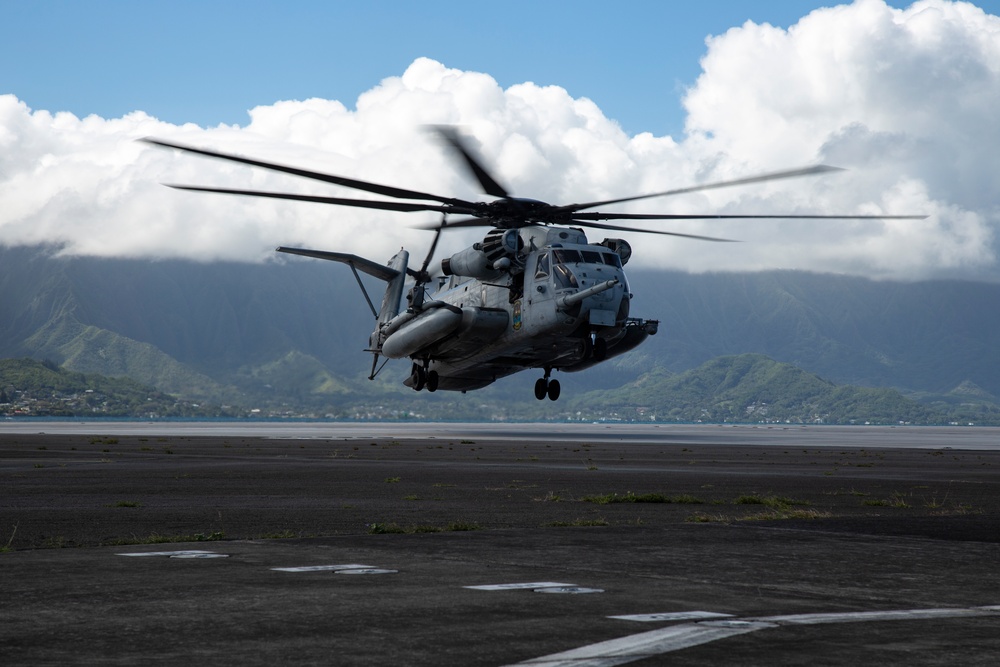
380 271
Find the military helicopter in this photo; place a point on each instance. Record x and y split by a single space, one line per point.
535 293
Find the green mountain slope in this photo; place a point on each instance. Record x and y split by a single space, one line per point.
35 388
290 334
755 388
926 336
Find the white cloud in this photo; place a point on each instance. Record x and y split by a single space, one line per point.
905 99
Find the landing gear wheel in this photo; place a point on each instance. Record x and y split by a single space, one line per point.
541 388
418 377
432 381
553 390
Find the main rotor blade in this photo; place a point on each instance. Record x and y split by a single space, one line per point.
597 225
489 184
712 216
430 253
466 222
385 190
772 176
407 207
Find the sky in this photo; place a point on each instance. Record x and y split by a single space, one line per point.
566 101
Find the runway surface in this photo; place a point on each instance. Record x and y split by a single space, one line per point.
493 545
948 437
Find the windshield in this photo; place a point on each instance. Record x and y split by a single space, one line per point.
564 277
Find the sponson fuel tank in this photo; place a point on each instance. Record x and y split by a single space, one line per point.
424 329
434 326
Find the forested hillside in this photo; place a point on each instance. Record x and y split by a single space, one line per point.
287 336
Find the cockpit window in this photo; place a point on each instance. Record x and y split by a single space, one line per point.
564 277
567 256
612 259
542 268
592 257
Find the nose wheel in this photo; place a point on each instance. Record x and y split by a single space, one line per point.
595 347
546 387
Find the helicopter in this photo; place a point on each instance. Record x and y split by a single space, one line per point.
535 293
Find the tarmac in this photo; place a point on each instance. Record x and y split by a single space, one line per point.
487 545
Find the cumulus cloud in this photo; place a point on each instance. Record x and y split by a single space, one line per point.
905 99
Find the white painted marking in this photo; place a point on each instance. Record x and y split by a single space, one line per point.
323 568
167 553
863 616
672 616
571 590
643 645
204 555
674 638
369 570
516 587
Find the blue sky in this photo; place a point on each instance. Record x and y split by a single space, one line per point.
903 96
209 62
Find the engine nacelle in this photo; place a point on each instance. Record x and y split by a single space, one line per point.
620 247
471 262
488 260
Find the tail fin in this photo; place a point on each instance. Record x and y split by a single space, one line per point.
394 290
393 273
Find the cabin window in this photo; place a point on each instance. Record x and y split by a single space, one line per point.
567 256
542 267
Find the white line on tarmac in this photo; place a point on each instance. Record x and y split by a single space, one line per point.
672 616
324 568
645 645
862 616
517 587
674 638
186 552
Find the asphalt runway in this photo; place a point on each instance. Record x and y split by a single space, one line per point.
498 545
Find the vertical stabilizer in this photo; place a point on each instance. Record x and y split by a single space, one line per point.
394 289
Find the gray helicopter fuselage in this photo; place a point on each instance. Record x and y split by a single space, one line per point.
563 296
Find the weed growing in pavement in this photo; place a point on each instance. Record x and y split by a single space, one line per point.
211 537
896 500
575 523
933 503
282 535
701 517
779 514
395 528
384 528
611 498
5 548
156 538
462 526
774 502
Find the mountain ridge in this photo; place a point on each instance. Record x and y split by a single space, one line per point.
290 332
